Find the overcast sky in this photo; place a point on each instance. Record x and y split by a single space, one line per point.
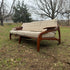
29 2
10 1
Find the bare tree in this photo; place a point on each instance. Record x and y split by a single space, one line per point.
49 8
66 11
3 10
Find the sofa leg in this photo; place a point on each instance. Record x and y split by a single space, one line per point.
10 36
19 39
59 41
59 35
38 44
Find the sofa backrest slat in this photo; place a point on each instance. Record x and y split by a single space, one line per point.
39 25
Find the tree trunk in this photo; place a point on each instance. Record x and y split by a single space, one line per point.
52 18
68 19
2 22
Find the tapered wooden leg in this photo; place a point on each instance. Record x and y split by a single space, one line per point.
59 41
59 35
10 36
38 44
20 39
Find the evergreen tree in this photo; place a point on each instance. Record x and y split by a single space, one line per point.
21 13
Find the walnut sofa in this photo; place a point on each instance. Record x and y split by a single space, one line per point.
40 30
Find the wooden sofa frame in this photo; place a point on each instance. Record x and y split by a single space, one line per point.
49 29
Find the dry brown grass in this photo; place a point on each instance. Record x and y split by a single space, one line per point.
24 56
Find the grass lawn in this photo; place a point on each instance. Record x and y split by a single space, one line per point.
24 56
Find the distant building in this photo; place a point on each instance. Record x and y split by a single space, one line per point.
8 20
64 22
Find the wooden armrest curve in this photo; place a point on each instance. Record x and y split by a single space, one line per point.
49 27
48 30
18 28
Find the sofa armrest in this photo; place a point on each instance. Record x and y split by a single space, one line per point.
49 29
18 28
